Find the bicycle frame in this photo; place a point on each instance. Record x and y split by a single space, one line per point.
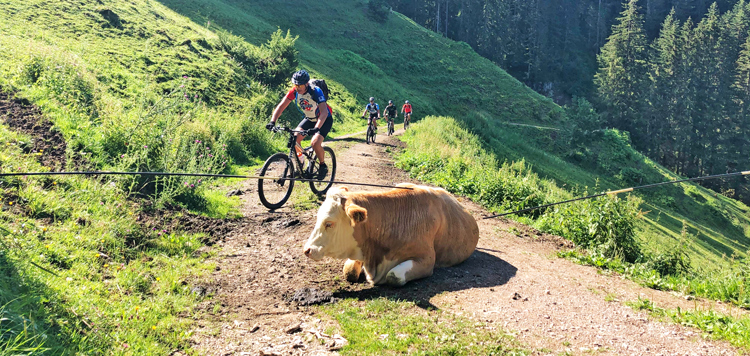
308 152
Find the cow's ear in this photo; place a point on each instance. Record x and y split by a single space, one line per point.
357 213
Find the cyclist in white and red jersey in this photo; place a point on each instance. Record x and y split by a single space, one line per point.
318 116
406 109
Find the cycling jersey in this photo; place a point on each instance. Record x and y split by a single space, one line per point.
373 108
390 110
406 108
308 102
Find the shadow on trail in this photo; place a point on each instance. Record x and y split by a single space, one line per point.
481 270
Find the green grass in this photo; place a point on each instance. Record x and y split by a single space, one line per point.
715 325
387 327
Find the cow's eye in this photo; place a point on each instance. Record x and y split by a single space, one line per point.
329 224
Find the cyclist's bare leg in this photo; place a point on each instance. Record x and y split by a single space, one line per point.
317 145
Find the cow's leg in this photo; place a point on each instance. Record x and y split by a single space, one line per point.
352 270
410 270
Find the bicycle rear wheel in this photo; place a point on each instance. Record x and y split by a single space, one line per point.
322 184
273 193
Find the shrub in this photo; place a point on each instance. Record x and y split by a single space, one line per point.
378 10
606 224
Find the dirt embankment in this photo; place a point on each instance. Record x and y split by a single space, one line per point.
513 281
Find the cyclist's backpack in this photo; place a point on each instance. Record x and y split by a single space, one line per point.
321 83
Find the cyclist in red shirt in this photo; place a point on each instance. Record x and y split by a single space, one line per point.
318 116
406 110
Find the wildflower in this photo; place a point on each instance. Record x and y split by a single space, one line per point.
182 86
44 229
145 146
122 156
47 246
54 183
184 77
208 148
210 155
106 265
153 327
158 279
101 203
192 186
164 231
201 156
97 255
200 180
186 183
10 203
68 279
137 307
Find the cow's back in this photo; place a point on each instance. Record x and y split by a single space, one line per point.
458 237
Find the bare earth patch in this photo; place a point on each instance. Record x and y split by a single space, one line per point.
513 281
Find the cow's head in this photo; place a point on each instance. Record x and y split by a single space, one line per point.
333 235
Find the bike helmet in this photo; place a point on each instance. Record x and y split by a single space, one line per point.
406 102
390 101
372 98
300 77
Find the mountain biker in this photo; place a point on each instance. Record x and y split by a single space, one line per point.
391 112
317 119
406 109
374 109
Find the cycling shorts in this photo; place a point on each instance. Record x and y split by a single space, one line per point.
306 124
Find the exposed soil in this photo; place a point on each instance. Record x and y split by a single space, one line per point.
22 116
513 282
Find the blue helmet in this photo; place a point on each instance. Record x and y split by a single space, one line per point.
300 77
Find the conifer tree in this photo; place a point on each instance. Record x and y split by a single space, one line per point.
622 80
662 113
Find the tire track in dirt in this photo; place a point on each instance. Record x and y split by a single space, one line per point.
513 282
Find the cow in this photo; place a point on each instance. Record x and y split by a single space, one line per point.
394 236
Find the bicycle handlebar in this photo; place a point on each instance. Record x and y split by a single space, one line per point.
286 129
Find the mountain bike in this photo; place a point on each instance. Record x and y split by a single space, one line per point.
298 164
390 125
406 122
371 132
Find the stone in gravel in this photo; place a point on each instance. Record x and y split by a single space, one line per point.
311 296
232 193
294 328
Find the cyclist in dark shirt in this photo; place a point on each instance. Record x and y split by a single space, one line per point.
391 112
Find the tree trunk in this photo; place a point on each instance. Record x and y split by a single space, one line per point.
437 17
446 18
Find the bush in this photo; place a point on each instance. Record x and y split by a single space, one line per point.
378 10
605 224
271 64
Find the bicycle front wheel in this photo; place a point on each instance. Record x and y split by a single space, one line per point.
274 193
320 185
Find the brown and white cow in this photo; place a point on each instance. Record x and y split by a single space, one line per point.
394 236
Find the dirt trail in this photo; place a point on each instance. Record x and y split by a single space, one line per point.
513 281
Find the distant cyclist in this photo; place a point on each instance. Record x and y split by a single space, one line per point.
373 109
318 116
391 112
406 109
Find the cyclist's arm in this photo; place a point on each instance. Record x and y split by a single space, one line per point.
280 108
322 114
364 112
